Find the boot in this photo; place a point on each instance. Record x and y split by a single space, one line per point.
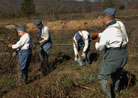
106 87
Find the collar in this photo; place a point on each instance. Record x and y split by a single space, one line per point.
111 23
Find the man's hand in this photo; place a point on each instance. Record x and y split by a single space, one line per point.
96 40
76 57
94 35
10 45
42 41
14 54
36 43
83 55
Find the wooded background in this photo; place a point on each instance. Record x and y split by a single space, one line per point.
55 8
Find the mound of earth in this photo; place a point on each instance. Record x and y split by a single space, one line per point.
31 27
10 27
68 25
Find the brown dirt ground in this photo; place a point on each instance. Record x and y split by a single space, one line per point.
57 77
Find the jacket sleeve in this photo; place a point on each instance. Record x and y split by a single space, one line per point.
102 42
86 41
74 47
20 43
100 34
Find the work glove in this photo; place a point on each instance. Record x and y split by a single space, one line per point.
96 40
94 35
83 55
10 45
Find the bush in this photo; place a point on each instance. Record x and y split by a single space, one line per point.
122 7
27 8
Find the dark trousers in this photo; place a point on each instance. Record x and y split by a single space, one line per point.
45 49
87 53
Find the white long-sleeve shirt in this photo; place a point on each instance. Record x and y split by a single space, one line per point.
85 37
112 37
24 43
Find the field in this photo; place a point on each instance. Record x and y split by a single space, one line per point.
64 78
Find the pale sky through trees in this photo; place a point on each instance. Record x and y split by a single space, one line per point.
83 0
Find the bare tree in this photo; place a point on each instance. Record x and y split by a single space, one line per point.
10 8
27 8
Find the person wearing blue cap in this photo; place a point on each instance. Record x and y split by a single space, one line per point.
24 48
113 40
80 38
46 44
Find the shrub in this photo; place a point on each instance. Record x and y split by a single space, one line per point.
122 7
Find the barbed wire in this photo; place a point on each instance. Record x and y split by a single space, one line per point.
7 53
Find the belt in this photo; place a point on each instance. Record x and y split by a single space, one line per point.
25 49
117 48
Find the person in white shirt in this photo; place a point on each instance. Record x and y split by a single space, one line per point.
113 40
80 38
24 47
46 44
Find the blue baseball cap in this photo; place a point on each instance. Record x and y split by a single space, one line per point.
110 11
38 22
78 36
22 28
